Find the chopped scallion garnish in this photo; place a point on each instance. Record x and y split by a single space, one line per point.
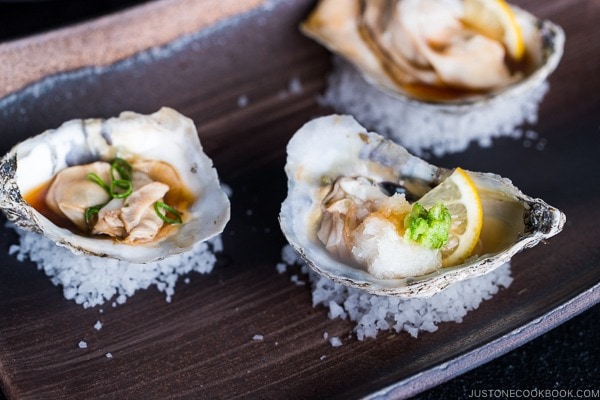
160 205
97 180
123 168
120 188
91 213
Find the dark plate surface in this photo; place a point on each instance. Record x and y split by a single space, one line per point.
200 344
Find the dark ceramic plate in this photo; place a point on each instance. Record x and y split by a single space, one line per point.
199 59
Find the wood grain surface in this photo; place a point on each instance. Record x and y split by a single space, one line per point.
110 38
200 345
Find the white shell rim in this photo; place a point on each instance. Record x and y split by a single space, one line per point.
541 220
212 204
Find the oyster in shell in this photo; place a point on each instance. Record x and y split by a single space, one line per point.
424 50
174 200
334 149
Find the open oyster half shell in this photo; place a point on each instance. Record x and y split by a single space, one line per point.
334 146
165 135
398 58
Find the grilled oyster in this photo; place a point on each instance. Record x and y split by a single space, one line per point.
137 188
337 151
424 50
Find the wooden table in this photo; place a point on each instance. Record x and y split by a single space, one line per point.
200 344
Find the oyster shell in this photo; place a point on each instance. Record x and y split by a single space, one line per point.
336 146
421 51
164 137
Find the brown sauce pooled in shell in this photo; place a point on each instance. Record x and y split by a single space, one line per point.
178 197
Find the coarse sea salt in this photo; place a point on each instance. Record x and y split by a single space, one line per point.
373 314
92 281
242 101
428 129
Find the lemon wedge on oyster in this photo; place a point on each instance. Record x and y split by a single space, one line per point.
460 196
495 19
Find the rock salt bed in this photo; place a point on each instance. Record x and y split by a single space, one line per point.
92 281
424 129
373 314
380 313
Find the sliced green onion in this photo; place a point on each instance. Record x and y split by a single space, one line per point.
168 210
122 167
91 213
97 180
120 188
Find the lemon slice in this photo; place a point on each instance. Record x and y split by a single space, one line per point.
460 196
495 19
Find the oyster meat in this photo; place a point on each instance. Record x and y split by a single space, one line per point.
425 50
136 187
349 191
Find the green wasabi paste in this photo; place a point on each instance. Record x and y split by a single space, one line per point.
429 228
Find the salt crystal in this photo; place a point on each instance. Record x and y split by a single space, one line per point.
295 86
289 256
83 345
335 341
541 145
226 189
109 355
532 135
13 249
336 311
257 337
300 283
242 101
98 325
